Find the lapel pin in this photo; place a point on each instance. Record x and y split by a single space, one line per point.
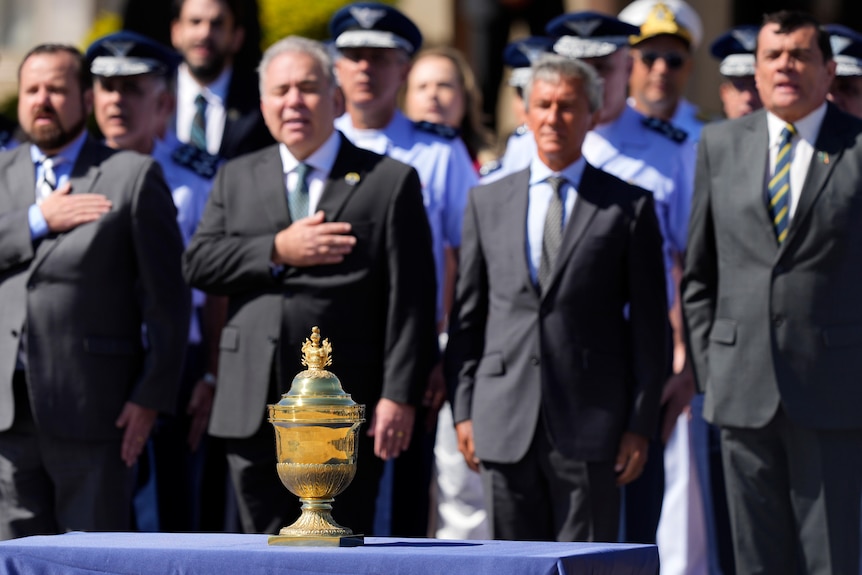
352 178
823 157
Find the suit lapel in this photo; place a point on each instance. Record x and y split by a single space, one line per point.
341 181
268 178
21 179
513 204
582 214
83 177
827 151
754 152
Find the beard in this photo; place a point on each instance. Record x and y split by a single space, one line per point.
210 70
55 136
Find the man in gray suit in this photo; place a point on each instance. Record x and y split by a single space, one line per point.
314 231
557 342
771 294
89 252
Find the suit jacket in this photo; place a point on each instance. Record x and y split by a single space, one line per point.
377 307
570 354
244 128
85 293
772 324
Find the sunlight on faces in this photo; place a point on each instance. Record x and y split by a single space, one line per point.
792 77
657 87
434 92
371 77
558 114
298 102
739 96
846 93
614 70
207 36
131 109
52 109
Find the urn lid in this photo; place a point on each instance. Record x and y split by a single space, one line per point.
316 386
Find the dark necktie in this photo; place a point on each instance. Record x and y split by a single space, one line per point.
552 235
779 185
48 181
298 197
198 134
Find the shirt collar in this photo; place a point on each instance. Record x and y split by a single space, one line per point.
539 172
69 154
807 128
322 159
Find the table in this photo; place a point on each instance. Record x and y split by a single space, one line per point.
210 553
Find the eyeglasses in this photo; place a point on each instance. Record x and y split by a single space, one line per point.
672 60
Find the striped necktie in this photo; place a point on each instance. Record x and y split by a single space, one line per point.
779 185
48 180
298 197
198 134
552 235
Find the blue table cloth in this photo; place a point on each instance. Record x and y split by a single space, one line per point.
212 553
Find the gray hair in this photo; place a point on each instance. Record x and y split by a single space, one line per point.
298 45
555 68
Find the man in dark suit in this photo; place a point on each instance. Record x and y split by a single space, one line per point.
347 248
773 309
218 104
89 252
558 342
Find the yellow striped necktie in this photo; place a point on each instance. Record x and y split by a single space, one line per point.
779 185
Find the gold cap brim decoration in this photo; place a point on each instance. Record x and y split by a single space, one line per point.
661 21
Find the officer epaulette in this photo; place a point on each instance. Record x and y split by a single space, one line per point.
5 137
666 129
521 130
446 132
489 168
199 161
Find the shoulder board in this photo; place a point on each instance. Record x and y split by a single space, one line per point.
5 138
446 132
521 130
198 161
666 129
489 167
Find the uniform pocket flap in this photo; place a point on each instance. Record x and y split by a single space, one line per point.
723 331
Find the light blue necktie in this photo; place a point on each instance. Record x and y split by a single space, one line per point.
779 185
297 199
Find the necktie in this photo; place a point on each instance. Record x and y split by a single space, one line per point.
48 181
552 236
298 197
198 134
779 185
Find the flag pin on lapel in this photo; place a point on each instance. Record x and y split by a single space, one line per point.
823 157
352 178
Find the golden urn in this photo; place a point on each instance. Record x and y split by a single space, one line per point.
316 426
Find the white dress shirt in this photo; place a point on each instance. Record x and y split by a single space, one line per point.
801 150
216 114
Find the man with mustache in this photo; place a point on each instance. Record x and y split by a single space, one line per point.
89 252
217 104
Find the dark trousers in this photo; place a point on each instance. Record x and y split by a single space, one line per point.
411 482
549 497
54 484
794 496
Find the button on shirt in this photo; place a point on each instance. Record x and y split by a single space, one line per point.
321 162
216 114
62 171
801 150
540 194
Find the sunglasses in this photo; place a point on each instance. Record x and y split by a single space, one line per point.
672 60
